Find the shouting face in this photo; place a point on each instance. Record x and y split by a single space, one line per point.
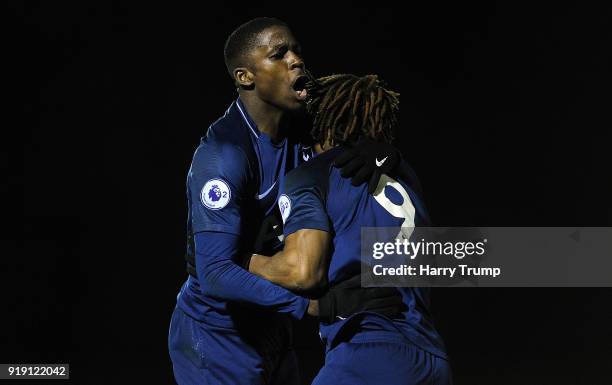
276 69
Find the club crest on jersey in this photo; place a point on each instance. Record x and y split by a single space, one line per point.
215 194
284 205
306 153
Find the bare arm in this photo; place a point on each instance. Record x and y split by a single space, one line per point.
301 265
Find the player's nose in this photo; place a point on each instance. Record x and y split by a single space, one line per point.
295 61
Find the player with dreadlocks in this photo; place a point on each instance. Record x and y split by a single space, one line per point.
347 108
323 215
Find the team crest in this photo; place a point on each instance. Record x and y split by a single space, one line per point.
284 205
215 194
306 153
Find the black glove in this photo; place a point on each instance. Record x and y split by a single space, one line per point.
271 229
349 297
366 161
268 240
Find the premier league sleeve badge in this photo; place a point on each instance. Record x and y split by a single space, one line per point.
215 194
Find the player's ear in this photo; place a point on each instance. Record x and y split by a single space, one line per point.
244 78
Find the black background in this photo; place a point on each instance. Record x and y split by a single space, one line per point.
505 117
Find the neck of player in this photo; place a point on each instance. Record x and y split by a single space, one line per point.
320 148
267 117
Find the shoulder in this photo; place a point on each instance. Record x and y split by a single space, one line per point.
219 174
230 128
219 155
216 150
226 145
312 173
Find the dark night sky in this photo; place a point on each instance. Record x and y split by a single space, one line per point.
505 117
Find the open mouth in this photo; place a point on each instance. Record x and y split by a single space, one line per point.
299 86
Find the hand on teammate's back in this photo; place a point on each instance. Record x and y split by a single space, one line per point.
270 234
367 161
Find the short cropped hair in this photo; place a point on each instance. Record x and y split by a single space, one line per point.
243 40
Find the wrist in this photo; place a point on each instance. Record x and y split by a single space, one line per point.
313 308
247 261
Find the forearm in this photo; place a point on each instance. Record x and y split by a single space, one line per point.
279 269
228 281
301 265
223 279
276 269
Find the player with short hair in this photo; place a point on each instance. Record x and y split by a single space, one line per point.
323 216
230 326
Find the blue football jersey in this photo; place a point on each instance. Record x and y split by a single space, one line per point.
232 184
315 196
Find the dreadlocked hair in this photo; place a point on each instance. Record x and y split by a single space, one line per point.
346 108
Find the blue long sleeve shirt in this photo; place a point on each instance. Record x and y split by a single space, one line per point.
232 184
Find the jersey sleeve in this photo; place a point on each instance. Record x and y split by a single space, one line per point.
221 278
217 183
302 205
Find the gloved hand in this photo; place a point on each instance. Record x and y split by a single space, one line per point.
366 161
270 234
348 298
268 240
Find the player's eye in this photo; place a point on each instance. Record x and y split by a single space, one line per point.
280 53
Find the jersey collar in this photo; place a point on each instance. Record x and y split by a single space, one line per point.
247 119
261 136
